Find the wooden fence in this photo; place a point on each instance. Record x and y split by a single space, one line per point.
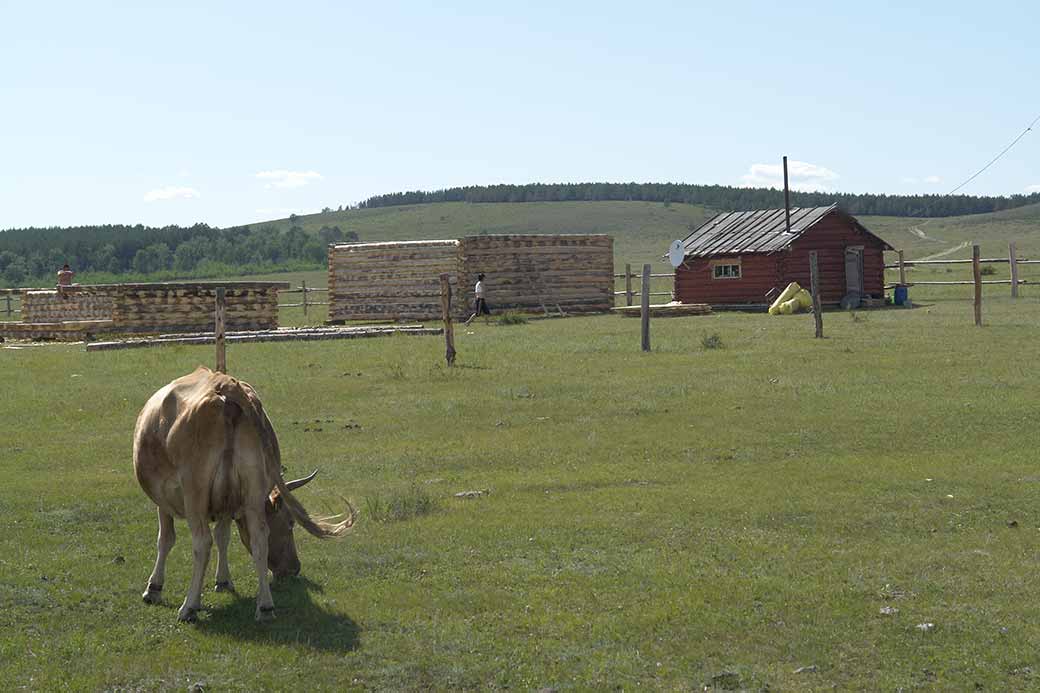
629 293
10 302
1012 260
304 303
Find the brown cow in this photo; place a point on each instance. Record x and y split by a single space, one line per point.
204 450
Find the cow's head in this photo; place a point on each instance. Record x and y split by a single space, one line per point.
281 547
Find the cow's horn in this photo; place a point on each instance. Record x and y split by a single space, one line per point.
293 485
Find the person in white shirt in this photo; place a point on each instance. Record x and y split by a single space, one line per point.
480 306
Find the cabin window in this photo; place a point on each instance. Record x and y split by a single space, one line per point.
725 270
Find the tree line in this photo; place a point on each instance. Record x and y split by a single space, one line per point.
720 197
31 256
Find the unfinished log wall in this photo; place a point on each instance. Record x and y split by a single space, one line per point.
187 307
50 305
530 272
391 281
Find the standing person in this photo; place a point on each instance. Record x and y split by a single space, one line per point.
480 305
65 275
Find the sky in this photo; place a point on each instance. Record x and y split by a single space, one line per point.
229 113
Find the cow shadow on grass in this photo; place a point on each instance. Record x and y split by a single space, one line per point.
298 619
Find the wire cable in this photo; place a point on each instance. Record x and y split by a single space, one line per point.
997 157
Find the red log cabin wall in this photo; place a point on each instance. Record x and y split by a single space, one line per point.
829 238
695 282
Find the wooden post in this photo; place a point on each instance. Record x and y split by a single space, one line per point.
902 269
1013 261
449 330
218 329
8 297
814 280
645 307
977 271
303 288
628 284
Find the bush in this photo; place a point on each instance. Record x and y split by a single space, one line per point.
711 341
512 318
402 504
988 270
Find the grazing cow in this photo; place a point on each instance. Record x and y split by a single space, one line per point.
204 450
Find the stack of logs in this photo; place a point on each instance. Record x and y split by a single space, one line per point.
541 272
188 306
48 305
532 273
390 281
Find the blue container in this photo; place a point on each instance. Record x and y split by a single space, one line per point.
900 295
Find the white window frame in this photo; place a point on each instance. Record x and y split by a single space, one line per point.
716 265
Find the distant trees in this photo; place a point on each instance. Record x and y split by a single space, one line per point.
717 196
33 255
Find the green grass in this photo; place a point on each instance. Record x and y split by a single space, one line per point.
655 520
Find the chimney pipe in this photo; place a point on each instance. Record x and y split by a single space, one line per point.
787 198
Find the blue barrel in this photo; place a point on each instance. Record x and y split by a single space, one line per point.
900 295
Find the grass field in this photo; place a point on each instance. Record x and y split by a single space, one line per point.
670 520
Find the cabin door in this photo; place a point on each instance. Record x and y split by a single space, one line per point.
854 270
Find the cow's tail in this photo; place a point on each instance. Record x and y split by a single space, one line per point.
321 527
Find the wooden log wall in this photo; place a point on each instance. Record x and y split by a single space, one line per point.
527 272
51 306
391 281
185 307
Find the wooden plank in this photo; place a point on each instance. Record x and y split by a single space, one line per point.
902 269
977 272
814 279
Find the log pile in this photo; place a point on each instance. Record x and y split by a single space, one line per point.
68 331
400 280
541 272
189 306
52 306
390 281
303 334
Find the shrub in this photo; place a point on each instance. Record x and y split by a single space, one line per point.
988 270
711 341
512 318
401 504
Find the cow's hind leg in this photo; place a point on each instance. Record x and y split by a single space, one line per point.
256 523
167 537
201 545
222 534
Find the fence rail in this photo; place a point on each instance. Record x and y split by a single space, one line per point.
1012 260
629 293
305 304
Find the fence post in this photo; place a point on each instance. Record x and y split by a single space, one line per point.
449 330
902 269
814 282
303 287
977 271
8 297
628 284
645 307
218 329
1013 261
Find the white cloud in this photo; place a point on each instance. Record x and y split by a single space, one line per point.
909 180
932 180
928 180
288 179
1033 188
802 176
171 192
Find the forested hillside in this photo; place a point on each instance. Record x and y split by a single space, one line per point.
31 256
721 197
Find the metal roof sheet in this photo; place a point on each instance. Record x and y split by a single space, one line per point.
760 231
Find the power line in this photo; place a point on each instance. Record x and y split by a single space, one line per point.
1002 153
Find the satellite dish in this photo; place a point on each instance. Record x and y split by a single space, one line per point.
676 253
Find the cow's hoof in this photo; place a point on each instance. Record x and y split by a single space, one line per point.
265 613
224 586
152 595
187 615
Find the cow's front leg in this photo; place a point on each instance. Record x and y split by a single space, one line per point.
256 523
222 534
167 537
201 544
